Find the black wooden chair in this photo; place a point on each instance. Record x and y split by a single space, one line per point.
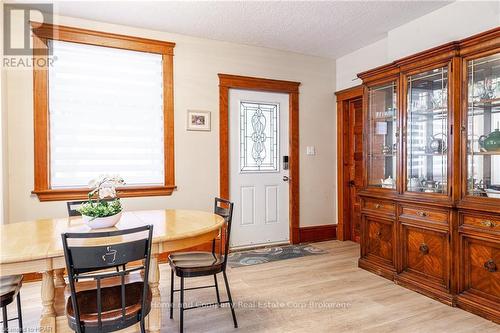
119 299
10 287
194 264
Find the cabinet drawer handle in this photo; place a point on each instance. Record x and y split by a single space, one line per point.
488 223
379 234
490 266
377 206
422 214
424 249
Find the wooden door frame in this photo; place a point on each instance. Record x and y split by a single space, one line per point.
228 81
344 219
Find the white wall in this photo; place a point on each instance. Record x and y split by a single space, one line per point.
455 21
196 64
3 135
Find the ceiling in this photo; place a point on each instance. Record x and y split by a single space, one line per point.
322 28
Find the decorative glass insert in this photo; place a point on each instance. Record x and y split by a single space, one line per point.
382 136
259 137
483 127
427 132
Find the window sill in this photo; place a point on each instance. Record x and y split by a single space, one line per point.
82 193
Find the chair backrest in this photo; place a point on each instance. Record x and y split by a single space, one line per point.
85 260
224 208
73 206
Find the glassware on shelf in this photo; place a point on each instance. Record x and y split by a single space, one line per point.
427 123
382 136
483 127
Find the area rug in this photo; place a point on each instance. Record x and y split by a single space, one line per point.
264 255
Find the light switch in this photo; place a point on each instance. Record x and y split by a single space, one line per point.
311 150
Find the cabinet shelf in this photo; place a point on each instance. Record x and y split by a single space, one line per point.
484 153
385 118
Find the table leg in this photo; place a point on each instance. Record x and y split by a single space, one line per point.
48 318
59 278
155 313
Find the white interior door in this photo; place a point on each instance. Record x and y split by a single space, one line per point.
258 186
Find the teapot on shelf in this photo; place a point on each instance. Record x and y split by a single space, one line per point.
490 142
388 182
437 143
415 184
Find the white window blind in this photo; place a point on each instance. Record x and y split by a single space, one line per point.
106 115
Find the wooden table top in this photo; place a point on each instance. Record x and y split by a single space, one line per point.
41 239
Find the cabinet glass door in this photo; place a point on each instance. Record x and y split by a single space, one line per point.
483 127
426 131
382 140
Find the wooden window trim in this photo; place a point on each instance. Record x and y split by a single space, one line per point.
41 34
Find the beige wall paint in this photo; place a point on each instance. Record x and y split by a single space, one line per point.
455 21
196 64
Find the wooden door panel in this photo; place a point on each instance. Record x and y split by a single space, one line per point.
481 267
379 238
426 253
355 165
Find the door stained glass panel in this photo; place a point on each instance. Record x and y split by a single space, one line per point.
259 137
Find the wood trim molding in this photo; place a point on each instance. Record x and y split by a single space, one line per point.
343 98
227 82
93 37
318 233
82 193
254 83
349 93
44 32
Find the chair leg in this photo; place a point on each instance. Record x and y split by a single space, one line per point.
19 312
4 318
171 293
181 308
217 289
143 329
230 299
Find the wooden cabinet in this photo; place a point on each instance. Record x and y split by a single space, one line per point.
430 205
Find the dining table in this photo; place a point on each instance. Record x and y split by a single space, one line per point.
36 246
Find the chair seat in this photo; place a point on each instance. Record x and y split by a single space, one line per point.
9 287
189 264
111 306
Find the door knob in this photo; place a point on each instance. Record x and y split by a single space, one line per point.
285 178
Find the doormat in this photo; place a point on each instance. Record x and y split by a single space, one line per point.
261 256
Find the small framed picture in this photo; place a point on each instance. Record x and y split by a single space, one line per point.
198 120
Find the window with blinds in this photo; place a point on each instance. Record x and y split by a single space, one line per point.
105 115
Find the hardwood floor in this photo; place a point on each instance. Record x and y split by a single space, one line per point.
323 293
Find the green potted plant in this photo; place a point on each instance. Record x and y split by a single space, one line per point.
103 209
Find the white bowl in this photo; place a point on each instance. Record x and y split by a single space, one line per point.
101 222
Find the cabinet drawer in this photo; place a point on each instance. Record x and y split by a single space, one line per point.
425 214
379 206
486 223
426 254
480 271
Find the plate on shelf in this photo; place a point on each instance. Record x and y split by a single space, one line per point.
492 193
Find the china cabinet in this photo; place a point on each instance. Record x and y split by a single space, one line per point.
430 204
